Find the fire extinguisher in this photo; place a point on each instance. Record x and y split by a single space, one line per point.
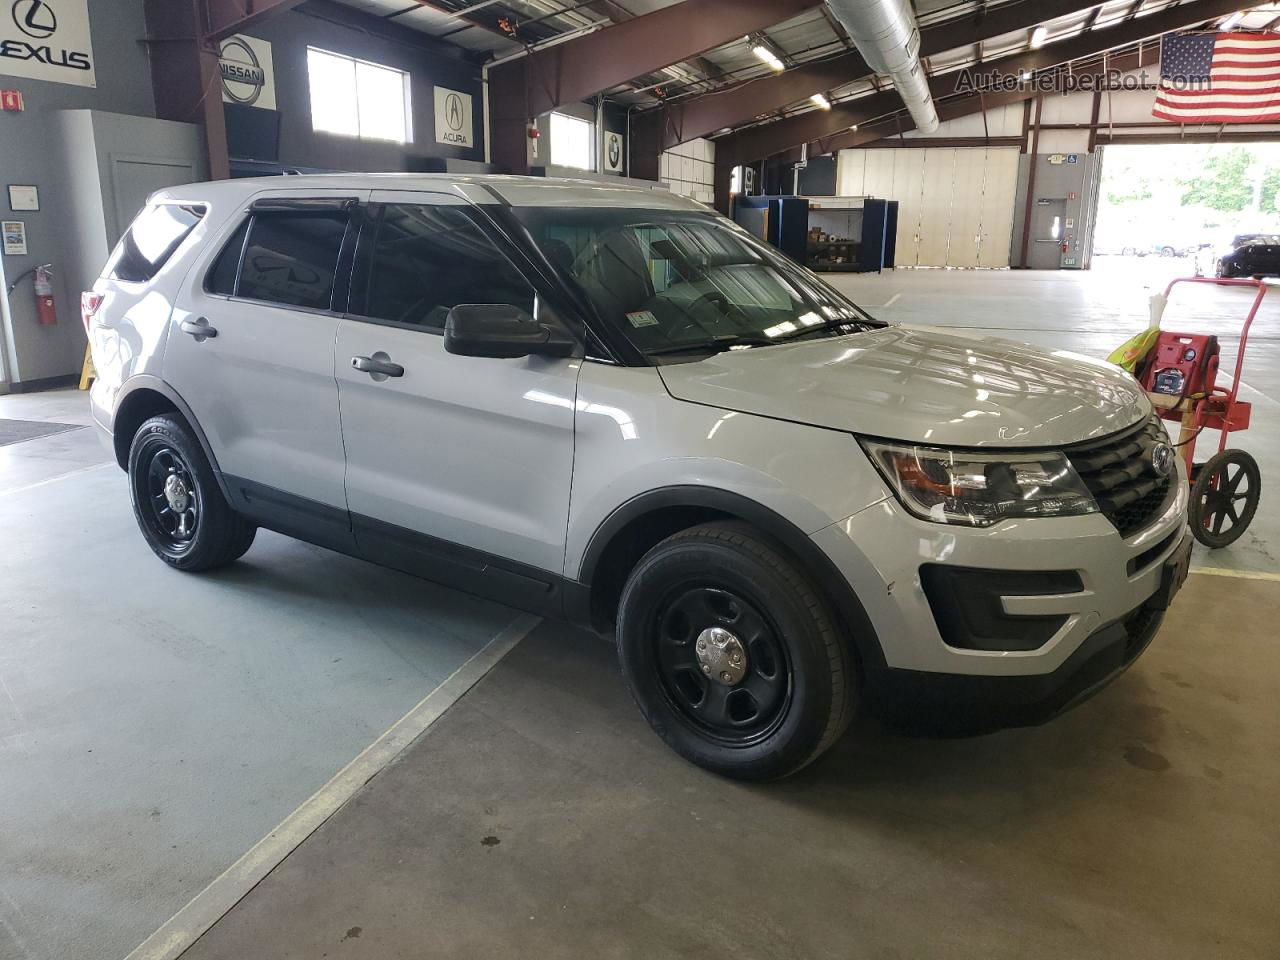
43 283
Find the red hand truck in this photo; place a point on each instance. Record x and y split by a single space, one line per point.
1179 378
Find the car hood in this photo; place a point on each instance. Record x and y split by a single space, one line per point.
923 385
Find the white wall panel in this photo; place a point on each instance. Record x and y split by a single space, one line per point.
1063 141
936 196
999 190
966 207
850 165
907 186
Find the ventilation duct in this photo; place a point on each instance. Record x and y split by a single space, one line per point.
885 33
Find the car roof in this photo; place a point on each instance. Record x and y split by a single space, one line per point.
518 191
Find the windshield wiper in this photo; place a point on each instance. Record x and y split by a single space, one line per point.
714 345
864 324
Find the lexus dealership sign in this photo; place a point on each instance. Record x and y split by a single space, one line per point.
47 40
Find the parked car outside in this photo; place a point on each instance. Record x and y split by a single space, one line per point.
615 406
1247 255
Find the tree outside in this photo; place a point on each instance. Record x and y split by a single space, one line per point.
1183 196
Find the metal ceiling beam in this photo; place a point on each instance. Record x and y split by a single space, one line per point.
572 71
765 139
661 128
226 17
185 77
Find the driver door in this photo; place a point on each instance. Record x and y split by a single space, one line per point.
458 469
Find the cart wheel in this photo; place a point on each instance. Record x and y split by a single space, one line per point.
1224 498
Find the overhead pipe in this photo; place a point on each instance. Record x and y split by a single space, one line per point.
888 37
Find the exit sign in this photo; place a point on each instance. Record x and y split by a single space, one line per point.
11 100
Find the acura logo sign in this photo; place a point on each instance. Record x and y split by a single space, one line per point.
35 18
454 115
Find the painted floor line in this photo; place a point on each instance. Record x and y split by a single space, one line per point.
1238 574
891 301
191 922
61 476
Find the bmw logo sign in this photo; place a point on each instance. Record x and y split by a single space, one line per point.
1162 459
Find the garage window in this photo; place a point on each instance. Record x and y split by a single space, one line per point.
428 259
572 142
356 98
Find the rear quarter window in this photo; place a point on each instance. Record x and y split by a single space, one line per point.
151 240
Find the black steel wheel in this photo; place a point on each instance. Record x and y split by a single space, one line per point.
721 663
1224 498
731 654
178 504
172 498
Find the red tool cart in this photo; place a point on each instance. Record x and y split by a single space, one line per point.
1179 373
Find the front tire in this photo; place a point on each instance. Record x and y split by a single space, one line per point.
179 507
732 655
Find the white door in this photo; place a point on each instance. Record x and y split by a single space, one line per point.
457 456
250 348
999 188
966 207
908 187
937 185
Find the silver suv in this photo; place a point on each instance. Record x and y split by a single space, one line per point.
615 406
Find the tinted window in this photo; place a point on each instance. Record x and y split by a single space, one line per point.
151 240
292 258
683 281
427 260
222 278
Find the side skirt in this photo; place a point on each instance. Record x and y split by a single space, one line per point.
441 561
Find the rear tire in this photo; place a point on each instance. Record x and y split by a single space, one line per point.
791 692
177 502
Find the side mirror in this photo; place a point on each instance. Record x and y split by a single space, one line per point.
501 330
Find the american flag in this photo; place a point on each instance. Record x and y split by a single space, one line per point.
1219 78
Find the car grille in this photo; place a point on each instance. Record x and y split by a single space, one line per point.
1118 472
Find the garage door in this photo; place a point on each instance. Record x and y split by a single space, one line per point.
955 204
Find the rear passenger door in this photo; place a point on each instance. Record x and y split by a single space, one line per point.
251 351
459 468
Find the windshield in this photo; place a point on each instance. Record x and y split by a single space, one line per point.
685 283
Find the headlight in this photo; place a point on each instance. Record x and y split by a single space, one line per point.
980 489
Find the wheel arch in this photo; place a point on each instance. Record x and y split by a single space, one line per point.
643 521
143 397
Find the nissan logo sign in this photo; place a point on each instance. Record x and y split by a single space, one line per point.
35 18
242 75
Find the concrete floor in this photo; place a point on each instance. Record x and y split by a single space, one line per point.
154 726
541 818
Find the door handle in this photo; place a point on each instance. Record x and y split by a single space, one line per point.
200 328
379 366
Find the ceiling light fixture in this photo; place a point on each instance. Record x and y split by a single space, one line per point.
820 101
1038 36
769 57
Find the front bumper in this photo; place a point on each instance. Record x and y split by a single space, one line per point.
880 552
986 702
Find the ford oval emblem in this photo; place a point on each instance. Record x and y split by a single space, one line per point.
1162 459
